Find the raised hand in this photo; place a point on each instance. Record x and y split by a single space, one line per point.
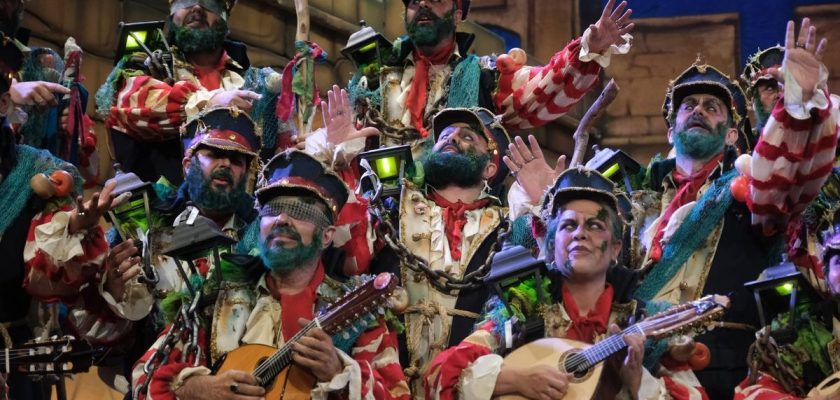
36 93
338 118
87 214
528 166
803 57
610 27
316 352
121 267
242 99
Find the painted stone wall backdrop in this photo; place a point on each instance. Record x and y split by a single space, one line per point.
826 18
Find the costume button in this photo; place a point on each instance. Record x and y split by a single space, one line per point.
683 285
232 137
416 237
415 197
488 212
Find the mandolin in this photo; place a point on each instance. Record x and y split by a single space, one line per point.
273 367
583 361
53 356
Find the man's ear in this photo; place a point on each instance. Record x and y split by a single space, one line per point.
490 170
5 103
731 136
615 250
327 236
671 136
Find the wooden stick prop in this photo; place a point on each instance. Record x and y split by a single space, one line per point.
594 112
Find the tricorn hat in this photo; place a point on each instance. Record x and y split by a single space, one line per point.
582 183
463 5
493 131
759 63
226 128
292 172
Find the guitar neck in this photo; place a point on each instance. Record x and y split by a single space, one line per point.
605 348
283 356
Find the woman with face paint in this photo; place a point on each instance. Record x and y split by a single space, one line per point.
590 295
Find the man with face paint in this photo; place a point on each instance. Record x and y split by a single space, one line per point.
817 334
145 109
431 69
52 248
715 229
285 285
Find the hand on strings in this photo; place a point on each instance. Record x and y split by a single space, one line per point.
316 352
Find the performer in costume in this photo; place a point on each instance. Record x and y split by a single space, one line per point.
145 108
299 200
586 291
714 228
52 247
417 80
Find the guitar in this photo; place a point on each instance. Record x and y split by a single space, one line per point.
273 367
583 361
57 355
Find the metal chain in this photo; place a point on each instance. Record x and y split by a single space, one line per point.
161 355
442 281
373 117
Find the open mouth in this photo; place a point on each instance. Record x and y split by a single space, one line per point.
450 148
196 20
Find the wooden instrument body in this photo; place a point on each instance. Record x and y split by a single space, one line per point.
830 385
292 383
553 352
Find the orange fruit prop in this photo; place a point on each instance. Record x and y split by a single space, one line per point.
701 357
62 181
740 187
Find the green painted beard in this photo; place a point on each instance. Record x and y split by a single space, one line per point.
191 40
459 169
761 115
208 198
430 35
280 259
698 144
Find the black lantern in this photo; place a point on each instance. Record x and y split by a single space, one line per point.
390 164
616 166
132 219
510 267
368 49
146 37
195 238
779 289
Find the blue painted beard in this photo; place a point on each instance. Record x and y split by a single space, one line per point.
700 143
192 40
207 197
279 259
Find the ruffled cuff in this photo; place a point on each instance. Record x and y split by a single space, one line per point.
519 203
186 373
479 379
350 378
336 156
794 94
197 101
136 302
603 59
54 239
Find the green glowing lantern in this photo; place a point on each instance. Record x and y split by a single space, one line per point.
390 164
781 289
616 166
368 49
146 37
133 218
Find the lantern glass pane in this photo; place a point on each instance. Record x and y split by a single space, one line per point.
131 43
132 217
387 167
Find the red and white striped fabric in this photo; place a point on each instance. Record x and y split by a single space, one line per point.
529 97
764 388
150 110
791 162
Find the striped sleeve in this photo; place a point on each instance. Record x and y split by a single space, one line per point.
764 388
529 97
791 161
150 110
445 378
167 377
381 374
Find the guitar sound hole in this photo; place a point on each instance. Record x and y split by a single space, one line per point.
572 362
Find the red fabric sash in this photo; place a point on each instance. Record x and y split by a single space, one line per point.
415 102
587 328
688 186
454 219
299 305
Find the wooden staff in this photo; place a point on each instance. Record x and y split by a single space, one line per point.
594 112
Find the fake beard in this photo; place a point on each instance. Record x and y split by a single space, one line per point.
459 169
191 40
280 259
698 143
207 197
430 35
761 115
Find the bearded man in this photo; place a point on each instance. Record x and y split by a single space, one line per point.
145 109
713 230
431 69
285 285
